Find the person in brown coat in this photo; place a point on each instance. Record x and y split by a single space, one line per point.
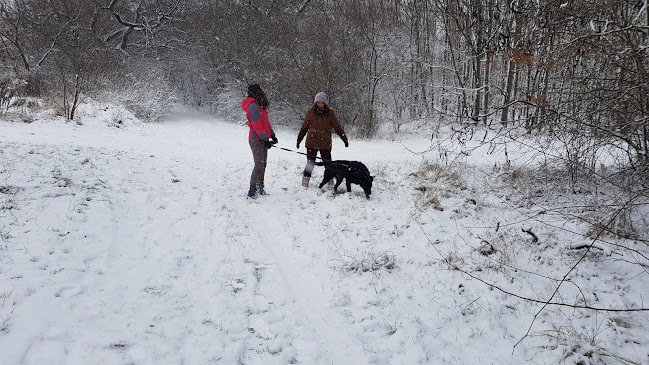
320 120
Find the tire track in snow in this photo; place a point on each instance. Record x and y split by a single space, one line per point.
294 300
178 261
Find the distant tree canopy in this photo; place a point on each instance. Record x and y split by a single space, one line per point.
576 67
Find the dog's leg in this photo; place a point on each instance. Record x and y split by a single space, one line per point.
339 180
327 177
349 185
324 181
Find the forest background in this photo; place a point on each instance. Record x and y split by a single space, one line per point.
575 69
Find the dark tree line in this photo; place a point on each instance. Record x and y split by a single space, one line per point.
577 69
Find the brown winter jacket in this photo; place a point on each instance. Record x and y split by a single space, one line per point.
319 128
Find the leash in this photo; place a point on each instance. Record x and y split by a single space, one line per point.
301 153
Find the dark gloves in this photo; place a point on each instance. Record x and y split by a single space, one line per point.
346 143
298 145
268 143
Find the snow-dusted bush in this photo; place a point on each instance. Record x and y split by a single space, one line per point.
582 347
106 114
25 104
9 87
143 89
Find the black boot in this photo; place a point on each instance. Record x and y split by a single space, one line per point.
261 191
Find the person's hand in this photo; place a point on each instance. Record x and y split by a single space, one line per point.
268 144
275 140
346 143
298 145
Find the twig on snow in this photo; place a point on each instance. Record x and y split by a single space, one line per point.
535 239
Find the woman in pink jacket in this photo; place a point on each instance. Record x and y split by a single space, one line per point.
261 136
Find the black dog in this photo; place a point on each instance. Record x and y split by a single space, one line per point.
352 171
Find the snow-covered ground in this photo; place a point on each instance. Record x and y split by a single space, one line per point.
131 243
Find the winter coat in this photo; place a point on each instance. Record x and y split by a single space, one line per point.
317 127
260 129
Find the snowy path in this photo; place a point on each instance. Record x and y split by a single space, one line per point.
170 234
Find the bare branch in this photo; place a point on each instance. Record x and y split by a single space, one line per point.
533 300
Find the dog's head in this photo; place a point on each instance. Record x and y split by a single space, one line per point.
367 186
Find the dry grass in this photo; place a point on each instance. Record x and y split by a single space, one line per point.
366 260
437 182
625 222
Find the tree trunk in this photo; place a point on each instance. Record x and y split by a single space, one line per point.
487 74
504 117
477 85
75 101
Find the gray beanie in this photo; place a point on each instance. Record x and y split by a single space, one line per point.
321 97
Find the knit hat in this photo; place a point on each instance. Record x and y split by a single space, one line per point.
321 97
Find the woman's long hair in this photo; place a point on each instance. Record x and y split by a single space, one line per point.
255 91
320 111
